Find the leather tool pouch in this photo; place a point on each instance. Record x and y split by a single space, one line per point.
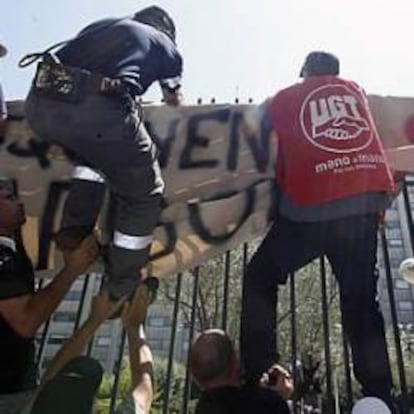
59 82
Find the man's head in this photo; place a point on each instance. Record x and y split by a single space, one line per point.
158 18
319 64
12 215
72 390
213 360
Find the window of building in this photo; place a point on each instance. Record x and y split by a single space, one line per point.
64 317
405 305
103 341
156 344
395 262
393 234
57 339
158 321
395 243
392 224
396 253
401 284
73 295
392 214
405 317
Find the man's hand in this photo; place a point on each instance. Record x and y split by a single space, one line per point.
134 313
278 379
79 259
172 98
102 308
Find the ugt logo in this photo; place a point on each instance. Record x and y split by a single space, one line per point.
334 118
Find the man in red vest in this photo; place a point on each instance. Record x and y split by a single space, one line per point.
334 182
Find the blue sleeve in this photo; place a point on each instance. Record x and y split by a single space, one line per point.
172 69
266 125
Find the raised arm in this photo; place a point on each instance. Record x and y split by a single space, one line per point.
256 121
171 79
172 97
102 308
25 314
140 354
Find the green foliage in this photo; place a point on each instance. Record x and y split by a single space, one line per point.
407 347
177 386
209 314
124 388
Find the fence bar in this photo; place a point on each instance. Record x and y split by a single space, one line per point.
81 303
394 320
91 342
167 387
326 339
347 368
226 291
42 347
190 339
245 255
407 207
293 333
118 366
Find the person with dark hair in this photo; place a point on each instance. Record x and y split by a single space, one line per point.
215 368
23 309
333 183
85 98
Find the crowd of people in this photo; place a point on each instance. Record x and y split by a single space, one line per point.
84 97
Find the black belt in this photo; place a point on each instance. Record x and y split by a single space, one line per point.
104 84
54 80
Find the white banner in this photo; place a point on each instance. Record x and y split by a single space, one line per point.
218 178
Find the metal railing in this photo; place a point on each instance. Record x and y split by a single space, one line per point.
188 289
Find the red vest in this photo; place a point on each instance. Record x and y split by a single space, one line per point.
328 144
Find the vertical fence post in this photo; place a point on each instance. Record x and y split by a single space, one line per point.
91 342
118 366
348 380
190 339
407 206
45 330
394 320
293 343
326 336
225 291
167 387
81 303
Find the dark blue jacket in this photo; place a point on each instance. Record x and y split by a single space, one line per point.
125 49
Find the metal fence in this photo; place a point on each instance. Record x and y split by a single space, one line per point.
330 398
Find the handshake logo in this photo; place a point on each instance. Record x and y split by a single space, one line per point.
335 118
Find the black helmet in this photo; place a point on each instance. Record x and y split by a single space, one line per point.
319 64
158 18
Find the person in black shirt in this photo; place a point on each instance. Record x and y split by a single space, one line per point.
117 60
215 368
22 309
